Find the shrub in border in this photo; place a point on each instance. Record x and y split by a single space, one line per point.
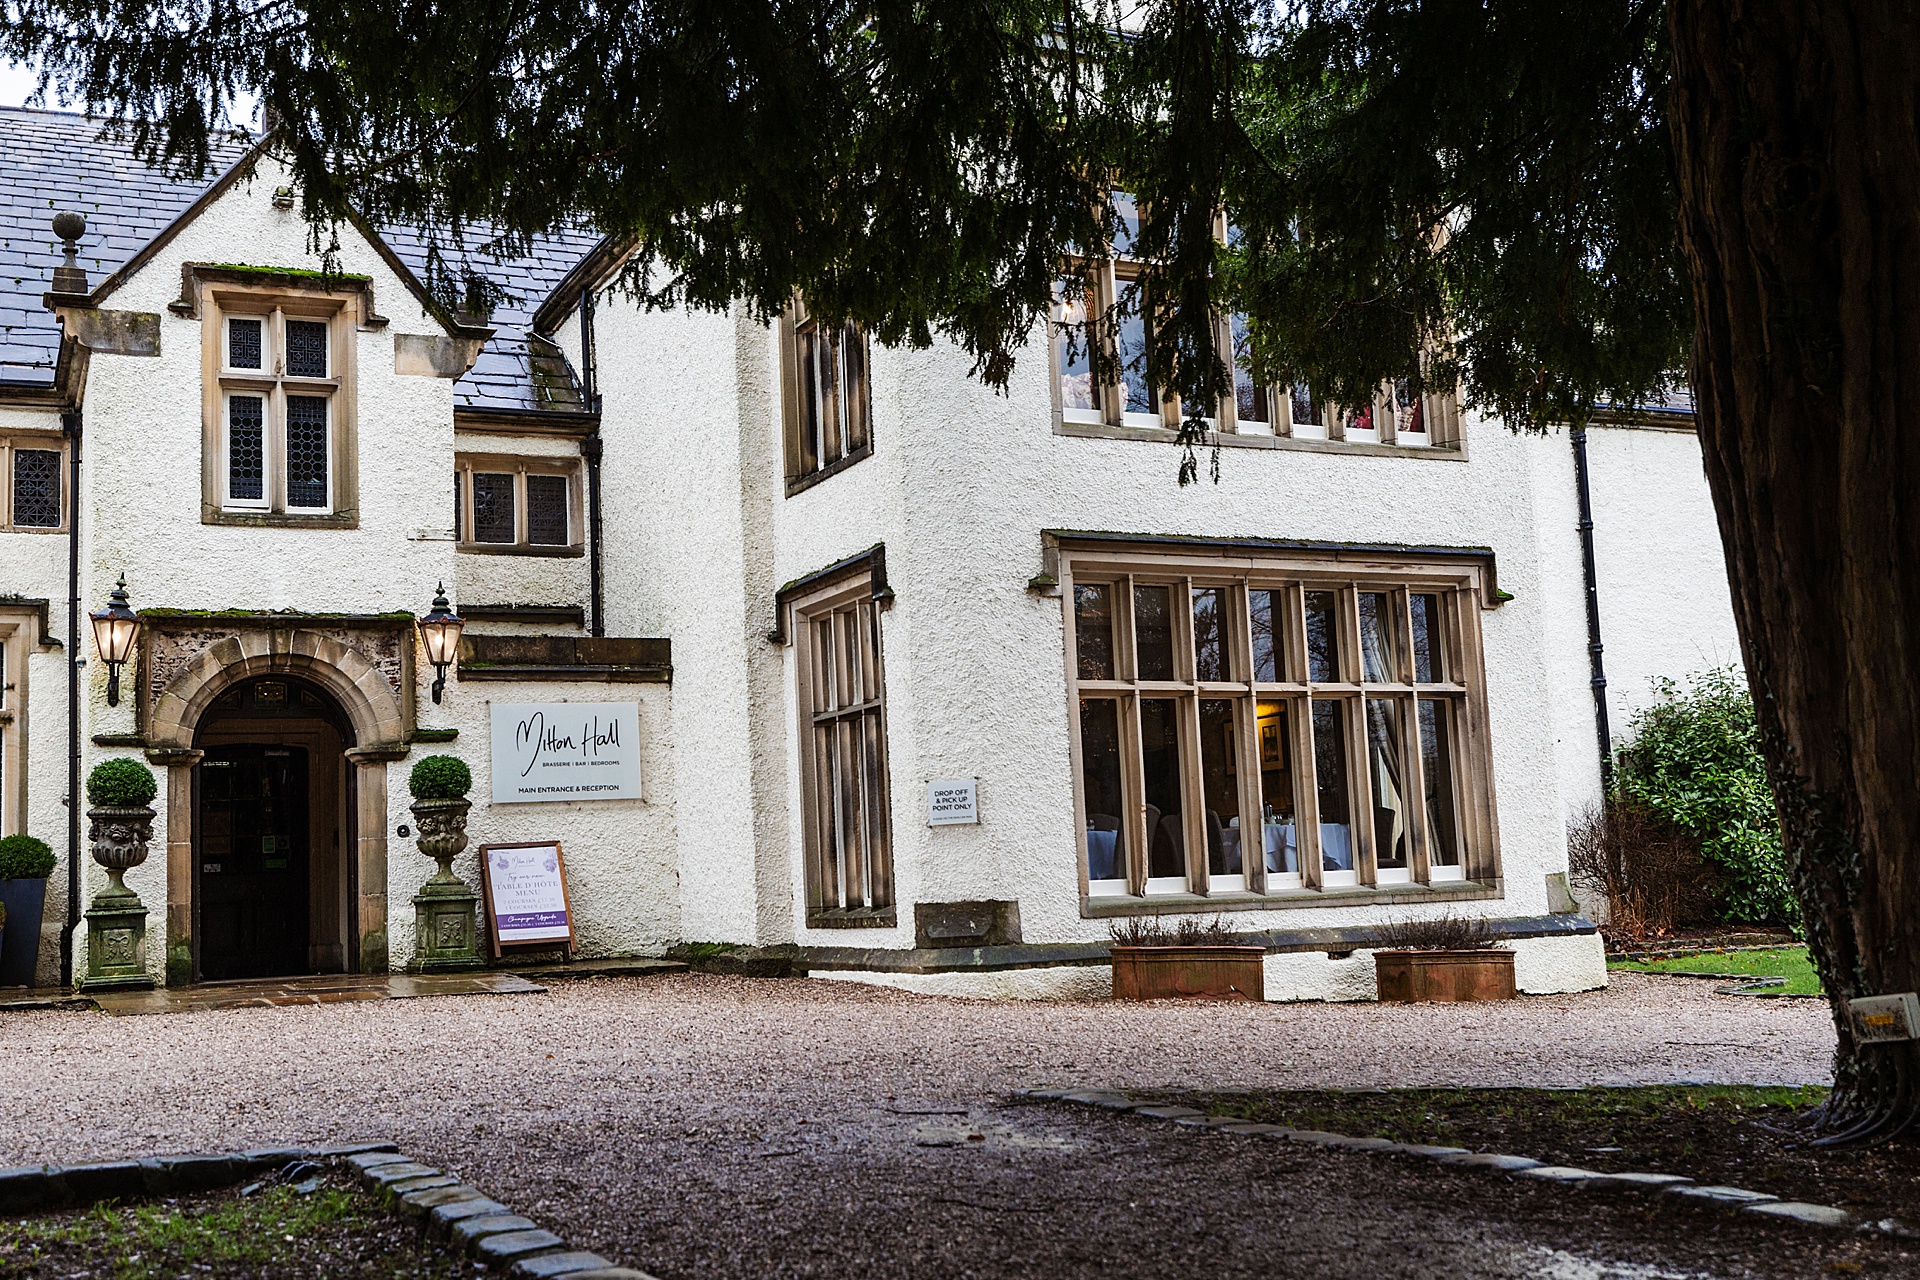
1694 765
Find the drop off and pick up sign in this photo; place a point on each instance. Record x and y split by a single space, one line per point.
544 751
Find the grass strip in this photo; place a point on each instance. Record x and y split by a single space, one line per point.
1791 963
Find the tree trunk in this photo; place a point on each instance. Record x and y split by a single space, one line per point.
1797 152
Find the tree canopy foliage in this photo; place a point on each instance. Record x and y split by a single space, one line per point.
1484 181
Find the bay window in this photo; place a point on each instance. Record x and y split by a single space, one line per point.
1285 725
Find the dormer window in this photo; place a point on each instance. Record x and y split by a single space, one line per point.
279 408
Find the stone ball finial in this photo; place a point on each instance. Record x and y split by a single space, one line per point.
69 226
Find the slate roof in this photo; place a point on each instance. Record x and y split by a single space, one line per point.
518 369
53 160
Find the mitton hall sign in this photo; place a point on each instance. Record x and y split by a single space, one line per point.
565 751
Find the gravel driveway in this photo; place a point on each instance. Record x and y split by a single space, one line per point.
703 1126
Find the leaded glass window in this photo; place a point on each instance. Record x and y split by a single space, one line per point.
36 488
246 448
306 451
279 410
523 503
243 342
547 511
492 507
306 349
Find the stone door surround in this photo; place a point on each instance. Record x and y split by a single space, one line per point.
365 664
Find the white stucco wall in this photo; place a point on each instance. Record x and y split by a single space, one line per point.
1665 607
621 878
961 484
33 567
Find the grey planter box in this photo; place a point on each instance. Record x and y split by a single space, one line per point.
25 901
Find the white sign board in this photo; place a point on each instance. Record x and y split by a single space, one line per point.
565 751
952 802
528 894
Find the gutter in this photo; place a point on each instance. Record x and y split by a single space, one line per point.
70 426
1595 650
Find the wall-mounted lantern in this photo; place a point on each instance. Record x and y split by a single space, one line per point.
115 628
441 631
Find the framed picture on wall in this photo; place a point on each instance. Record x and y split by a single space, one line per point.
1273 747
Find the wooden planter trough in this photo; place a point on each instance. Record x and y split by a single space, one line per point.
1409 976
1189 973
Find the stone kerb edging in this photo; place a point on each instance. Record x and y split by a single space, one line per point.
448 1209
1738 1199
52 1187
483 1227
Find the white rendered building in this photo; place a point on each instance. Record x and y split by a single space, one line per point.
824 575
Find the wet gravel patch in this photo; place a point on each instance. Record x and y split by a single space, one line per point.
699 1125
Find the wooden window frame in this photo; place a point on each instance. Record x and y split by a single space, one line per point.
1107 276
341 313
1459 588
50 442
800 475
845 601
18 628
520 467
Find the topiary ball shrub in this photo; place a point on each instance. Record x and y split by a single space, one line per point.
440 778
121 784
25 858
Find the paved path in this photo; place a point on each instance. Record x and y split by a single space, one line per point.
712 1127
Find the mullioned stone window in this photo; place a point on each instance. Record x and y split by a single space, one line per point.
279 406
1283 726
518 505
1101 330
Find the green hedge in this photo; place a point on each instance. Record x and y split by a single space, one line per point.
121 784
25 858
1694 764
440 778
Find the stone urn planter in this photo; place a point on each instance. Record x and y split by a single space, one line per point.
446 910
1411 976
117 919
1189 972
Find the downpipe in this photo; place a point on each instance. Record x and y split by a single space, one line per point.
71 428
